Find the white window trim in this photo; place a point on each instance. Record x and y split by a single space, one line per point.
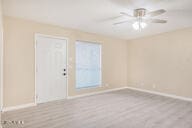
96 86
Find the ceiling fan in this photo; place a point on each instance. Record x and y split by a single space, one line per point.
142 16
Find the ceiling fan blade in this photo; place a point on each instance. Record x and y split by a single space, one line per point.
157 21
110 18
125 14
122 22
156 13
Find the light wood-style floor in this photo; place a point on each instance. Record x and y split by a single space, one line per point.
118 109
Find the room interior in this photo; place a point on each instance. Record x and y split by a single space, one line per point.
109 64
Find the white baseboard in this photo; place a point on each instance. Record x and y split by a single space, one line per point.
162 94
94 93
6 109
100 92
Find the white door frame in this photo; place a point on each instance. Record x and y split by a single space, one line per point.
56 37
1 59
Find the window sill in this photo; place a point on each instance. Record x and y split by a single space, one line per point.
91 87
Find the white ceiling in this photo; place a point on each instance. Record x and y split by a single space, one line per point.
95 15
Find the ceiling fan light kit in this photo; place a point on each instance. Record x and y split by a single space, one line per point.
142 17
139 25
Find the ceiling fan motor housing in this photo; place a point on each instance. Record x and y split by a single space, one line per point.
140 12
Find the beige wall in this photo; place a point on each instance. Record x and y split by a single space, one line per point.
161 63
164 61
19 60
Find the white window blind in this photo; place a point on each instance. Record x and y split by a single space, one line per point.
88 64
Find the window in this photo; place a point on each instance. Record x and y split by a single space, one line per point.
88 64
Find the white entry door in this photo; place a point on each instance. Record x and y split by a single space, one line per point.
51 69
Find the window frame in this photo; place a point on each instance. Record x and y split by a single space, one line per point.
92 86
